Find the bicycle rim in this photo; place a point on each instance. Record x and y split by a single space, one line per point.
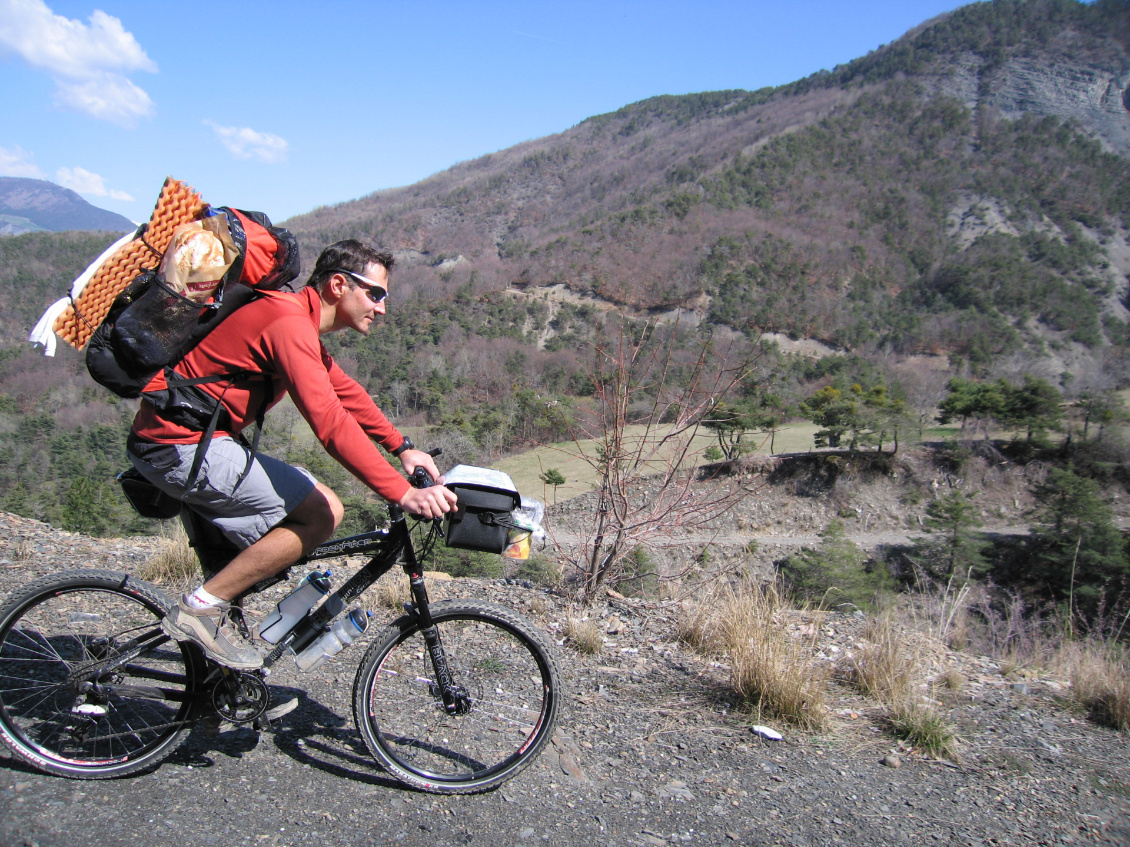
61 715
508 674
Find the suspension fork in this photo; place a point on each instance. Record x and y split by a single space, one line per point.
455 699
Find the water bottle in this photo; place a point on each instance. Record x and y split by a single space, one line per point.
294 606
339 636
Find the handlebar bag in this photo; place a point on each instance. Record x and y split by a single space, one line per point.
481 520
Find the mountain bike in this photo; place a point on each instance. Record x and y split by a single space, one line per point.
452 697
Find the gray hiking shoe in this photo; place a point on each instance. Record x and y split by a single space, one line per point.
214 631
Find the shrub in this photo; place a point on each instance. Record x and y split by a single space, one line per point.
540 570
639 576
467 563
836 572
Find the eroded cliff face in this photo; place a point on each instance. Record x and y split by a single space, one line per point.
1096 96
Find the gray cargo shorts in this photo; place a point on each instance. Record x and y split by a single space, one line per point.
243 511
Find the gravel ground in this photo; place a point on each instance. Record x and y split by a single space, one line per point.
648 753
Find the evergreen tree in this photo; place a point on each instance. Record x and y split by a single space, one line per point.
1077 551
955 550
554 478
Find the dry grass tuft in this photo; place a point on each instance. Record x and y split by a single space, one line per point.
952 680
175 564
392 591
774 672
584 635
884 667
1100 682
697 628
923 727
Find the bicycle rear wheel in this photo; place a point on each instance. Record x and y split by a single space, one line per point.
64 708
511 689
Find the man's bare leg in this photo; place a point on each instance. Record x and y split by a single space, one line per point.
311 523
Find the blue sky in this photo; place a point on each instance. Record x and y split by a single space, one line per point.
285 106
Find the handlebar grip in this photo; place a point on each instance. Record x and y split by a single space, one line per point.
420 478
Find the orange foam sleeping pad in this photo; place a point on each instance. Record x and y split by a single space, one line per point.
178 204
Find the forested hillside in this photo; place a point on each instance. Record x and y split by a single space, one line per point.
956 203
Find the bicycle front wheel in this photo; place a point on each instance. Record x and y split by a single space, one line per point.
69 705
509 687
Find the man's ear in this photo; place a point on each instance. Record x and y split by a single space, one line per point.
334 287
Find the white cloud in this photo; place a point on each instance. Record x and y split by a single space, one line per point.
89 63
85 182
108 97
17 163
247 143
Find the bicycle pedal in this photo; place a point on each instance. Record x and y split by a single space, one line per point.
282 709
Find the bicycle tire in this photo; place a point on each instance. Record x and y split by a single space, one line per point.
505 665
137 714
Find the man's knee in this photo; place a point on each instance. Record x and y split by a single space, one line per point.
321 511
336 507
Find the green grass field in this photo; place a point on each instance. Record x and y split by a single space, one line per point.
526 468
566 457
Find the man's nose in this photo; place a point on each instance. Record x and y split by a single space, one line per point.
381 308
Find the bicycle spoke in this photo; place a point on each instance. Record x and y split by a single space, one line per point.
68 703
504 708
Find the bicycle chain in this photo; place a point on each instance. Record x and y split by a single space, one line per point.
135 732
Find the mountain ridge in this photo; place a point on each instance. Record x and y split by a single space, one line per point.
32 205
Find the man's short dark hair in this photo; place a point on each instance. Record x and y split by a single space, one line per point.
349 255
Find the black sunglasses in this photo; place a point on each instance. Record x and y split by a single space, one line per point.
376 292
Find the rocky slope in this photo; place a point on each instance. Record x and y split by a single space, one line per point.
651 750
790 500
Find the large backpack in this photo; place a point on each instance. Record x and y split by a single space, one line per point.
151 326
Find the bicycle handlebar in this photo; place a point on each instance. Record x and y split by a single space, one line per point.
420 478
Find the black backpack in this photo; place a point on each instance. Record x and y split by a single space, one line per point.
150 327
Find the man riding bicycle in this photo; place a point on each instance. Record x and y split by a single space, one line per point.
273 512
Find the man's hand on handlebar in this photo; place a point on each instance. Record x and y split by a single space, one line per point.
431 502
412 459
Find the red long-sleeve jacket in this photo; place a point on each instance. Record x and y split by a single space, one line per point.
277 335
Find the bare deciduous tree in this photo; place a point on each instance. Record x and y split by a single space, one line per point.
652 391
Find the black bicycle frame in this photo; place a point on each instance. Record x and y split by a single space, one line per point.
387 546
